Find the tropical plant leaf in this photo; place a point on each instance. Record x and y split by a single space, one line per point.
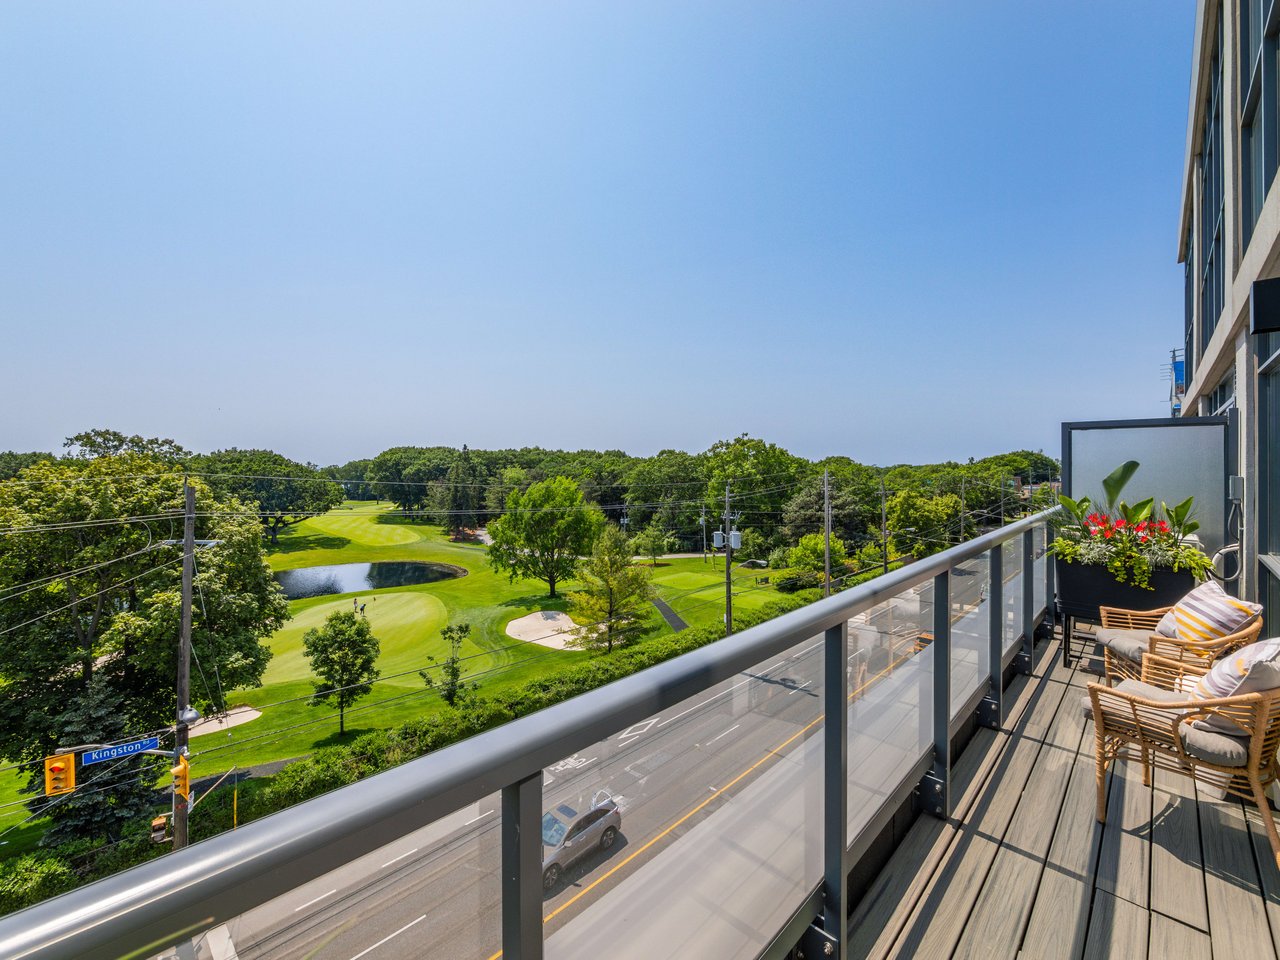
1115 481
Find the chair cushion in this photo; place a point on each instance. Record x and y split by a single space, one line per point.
1130 644
1208 745
1251 669
1214 747
1138 689
1207 613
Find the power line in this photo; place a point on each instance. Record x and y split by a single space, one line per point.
79 600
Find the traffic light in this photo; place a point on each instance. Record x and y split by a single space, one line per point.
182 778
160 829
59 774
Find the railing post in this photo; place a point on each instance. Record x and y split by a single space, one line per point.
522 869
835 806
1027 658
935 788
991 710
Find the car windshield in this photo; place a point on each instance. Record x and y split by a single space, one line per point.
553 830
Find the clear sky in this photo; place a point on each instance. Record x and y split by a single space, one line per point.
894 231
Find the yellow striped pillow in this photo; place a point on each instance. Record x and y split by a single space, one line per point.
1206 614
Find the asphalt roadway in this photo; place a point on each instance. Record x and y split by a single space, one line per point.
720 799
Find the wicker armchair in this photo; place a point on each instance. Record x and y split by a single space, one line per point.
1123 632
1156 717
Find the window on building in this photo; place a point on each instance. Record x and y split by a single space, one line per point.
1189 279
1223 397
1260 111
1212 201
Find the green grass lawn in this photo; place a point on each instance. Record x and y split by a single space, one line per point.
407 622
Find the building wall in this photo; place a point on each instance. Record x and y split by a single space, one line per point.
1250 108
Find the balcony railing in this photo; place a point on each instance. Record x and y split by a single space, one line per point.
740 821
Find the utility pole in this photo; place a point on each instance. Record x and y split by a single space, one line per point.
728 564
826 530
962 511
184 657
884 528
702 522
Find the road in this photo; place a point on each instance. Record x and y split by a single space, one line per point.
720 800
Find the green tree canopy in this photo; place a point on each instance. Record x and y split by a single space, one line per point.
810 553
110 443
921 524
286 492
615 592
461 495
653 541
343 654
12 462
544 531
448 680
90 604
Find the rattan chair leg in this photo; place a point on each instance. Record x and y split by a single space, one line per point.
1268 818
1100 772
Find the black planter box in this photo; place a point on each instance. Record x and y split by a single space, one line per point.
1083 588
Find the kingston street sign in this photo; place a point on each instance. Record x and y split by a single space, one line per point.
118 752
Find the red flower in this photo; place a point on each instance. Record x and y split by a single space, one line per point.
1107 534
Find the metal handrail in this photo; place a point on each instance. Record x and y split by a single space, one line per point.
179 895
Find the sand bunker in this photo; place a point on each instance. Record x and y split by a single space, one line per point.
232 718
551 628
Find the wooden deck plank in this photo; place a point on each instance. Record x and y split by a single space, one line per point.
1060 916
1169 938
872 926
1004 904
1117 928
1124 862
1177 874
1237 915
938 920
1266 861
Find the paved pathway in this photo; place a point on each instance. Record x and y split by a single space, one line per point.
669 615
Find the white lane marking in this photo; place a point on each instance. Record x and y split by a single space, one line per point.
624 742
725 734
487 813
385 939
402 856
715 696
220 945
799 688
316 900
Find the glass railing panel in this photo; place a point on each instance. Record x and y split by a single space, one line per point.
718 822
435 892
1040 539
1013 586
891 699
970 631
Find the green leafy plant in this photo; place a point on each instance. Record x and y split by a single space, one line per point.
1129 539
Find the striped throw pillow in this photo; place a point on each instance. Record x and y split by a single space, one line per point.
1251 669
1206 614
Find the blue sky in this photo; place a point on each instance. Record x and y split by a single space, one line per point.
898 232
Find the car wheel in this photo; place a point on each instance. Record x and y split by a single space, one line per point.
607 838
551 876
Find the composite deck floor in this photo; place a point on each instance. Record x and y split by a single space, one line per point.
1024 870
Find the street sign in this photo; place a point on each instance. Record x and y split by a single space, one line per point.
119 752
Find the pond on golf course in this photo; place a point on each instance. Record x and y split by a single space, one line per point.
353 577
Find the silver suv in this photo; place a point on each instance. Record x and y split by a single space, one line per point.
567 834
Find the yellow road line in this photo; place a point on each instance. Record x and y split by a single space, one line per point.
755 766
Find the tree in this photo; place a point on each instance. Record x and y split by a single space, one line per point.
460 496
110 443
286 492
343 654
92 605
653 541
614 594
763 475
810 554
921 524
12 462
544 532
449 684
